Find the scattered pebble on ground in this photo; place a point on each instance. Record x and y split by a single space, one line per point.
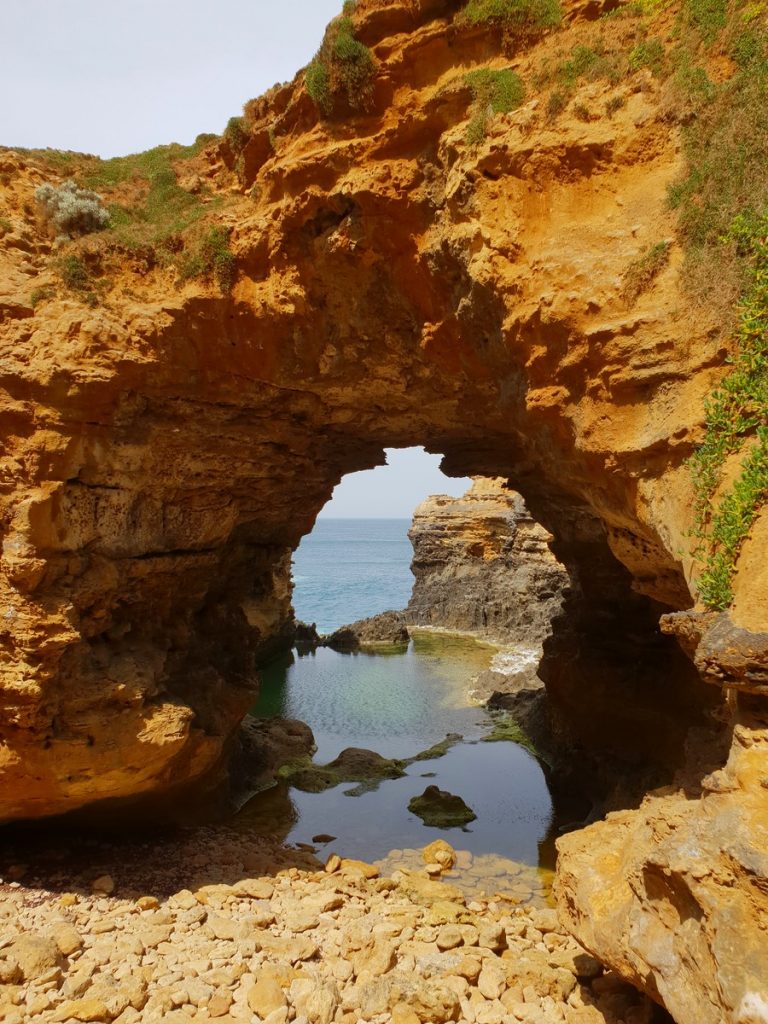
212 926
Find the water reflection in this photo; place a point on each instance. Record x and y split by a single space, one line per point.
400 705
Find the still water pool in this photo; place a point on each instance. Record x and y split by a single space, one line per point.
400 704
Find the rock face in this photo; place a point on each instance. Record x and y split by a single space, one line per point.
671 895
165 451
483 565
387 629
166 448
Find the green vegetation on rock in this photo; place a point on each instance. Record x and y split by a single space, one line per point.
161 208
722 205
507 730
343 68
440 809
519 16
494 92
642 272
737 421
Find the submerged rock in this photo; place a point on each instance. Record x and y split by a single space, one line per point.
389 628
354 764
440 809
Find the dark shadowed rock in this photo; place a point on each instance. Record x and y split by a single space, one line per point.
440 809
389 628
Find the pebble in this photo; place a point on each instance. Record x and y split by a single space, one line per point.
319 945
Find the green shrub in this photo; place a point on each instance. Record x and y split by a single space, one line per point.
342 67
74 273
5 226
581 112
583 59
494 92
514 15
236 134
648 54
613 104
709 16
556 103
211 257
42 294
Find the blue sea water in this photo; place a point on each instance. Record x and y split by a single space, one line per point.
349 569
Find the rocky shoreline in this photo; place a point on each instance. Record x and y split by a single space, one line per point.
212 926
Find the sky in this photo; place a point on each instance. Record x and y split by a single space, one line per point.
392 491
110 79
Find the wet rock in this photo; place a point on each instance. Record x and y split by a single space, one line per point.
386 629
439 852
440 809
354 764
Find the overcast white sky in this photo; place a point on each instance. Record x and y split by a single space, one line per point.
392 491
108 77
112 78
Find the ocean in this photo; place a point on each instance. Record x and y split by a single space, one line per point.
349 569
400 704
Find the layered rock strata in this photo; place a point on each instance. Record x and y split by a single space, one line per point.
483 565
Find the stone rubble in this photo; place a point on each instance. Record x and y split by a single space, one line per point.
245 932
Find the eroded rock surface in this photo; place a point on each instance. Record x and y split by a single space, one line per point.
387 629
166 450
483 565
674 896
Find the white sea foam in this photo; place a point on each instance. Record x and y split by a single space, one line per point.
519 659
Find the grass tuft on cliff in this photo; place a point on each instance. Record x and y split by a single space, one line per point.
494 92
342 70
158 207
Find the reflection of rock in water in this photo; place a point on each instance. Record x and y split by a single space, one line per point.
440 809
269 813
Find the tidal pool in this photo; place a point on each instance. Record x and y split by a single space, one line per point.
400 704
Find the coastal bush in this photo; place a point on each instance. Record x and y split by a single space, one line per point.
42 294
649 53
613 104
74 272
236 134
212 257
494 92
71 210
342 67
518 16
556 103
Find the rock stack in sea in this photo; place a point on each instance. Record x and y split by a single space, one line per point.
483 565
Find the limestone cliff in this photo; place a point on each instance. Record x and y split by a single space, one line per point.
483 565
429 269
